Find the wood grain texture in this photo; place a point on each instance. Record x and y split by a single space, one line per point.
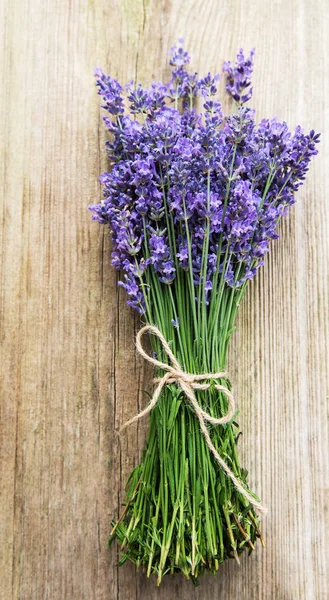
69 373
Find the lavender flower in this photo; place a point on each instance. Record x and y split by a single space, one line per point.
111 90
238 78
196 192
160 257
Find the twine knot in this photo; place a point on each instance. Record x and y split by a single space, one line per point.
189 382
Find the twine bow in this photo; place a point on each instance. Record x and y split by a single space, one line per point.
188 383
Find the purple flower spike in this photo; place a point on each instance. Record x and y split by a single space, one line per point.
179 58
111 90
238 77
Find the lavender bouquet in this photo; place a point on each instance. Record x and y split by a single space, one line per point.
192 200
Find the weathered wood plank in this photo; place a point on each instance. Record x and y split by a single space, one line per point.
69 373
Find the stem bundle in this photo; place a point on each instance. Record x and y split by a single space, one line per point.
182 514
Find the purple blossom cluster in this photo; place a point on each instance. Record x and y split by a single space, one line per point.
238 77
188 186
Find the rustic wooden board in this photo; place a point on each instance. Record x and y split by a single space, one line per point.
68 366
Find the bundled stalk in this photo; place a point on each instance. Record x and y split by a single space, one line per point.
192 200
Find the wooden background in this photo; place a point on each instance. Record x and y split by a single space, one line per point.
68 367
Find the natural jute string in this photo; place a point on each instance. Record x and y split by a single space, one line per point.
188 383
